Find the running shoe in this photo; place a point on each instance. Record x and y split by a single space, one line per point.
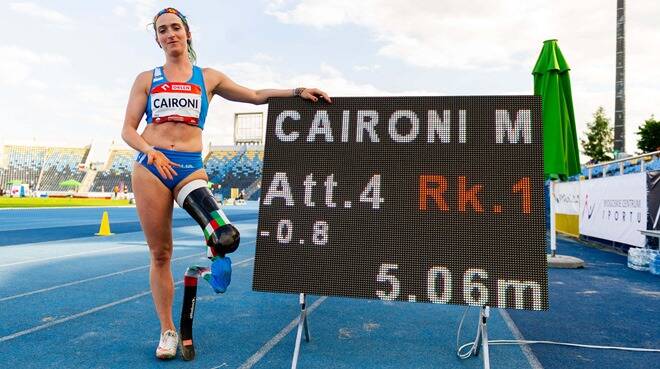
167 345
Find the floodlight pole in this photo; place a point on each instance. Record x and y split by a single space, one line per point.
482 336
302 326
620 82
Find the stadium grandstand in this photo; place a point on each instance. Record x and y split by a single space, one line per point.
235 167
41 167
44 168
117 171
62 164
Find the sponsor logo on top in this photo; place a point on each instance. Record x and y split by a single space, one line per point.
181 88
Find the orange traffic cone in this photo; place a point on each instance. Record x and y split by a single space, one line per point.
104 230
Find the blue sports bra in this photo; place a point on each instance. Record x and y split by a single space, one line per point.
180 102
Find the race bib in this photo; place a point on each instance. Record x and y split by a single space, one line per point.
176 102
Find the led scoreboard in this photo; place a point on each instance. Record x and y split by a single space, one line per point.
421 199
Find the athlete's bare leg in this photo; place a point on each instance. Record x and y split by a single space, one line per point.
154 203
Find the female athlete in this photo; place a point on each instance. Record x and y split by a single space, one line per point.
175 98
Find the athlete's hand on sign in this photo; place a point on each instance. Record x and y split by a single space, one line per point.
162 163
314 94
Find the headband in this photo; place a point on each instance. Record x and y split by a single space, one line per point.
173 11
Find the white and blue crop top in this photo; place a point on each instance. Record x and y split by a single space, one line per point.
180 102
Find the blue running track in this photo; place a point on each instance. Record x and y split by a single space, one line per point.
72 300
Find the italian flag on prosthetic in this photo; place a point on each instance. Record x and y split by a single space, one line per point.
219 219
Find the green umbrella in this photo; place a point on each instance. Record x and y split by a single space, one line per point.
70 183
552 83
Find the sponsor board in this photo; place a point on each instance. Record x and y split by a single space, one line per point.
567 198
614 208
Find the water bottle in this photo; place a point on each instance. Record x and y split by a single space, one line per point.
637 259
654 263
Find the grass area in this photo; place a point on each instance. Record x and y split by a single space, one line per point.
39 202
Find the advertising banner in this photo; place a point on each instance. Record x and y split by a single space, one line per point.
614 208
567 198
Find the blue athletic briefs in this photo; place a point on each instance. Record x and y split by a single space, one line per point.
189 161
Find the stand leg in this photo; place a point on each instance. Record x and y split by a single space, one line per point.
302 326
477 340
485 313
481 340
306 326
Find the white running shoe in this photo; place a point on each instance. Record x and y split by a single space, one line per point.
168 344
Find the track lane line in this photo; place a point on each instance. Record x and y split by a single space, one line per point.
94 278
35 260
89 279
249 363
90 311
527 351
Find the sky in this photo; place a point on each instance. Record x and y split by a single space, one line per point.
66 67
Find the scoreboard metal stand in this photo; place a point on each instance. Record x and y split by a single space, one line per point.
482 336
302 326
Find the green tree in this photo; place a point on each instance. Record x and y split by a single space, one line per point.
649 135
600 137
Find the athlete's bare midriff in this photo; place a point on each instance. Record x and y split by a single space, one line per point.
174 136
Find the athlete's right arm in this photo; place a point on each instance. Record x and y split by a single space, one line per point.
135 108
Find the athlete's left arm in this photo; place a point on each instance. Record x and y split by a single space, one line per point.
230 90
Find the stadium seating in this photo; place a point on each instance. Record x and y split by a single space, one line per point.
24 164
61 164
44 167
235 167
118 172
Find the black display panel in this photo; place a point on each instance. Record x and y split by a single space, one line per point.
421 199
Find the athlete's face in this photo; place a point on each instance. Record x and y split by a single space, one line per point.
171 34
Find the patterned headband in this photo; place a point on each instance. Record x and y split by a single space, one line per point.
173 11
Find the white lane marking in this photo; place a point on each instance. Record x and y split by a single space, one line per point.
90 311
527 351
71 317
70 207
249 363
90 279
35 260
94 278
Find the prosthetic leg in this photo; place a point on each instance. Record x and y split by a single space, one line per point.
221 238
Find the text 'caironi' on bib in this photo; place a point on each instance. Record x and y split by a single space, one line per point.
176 102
